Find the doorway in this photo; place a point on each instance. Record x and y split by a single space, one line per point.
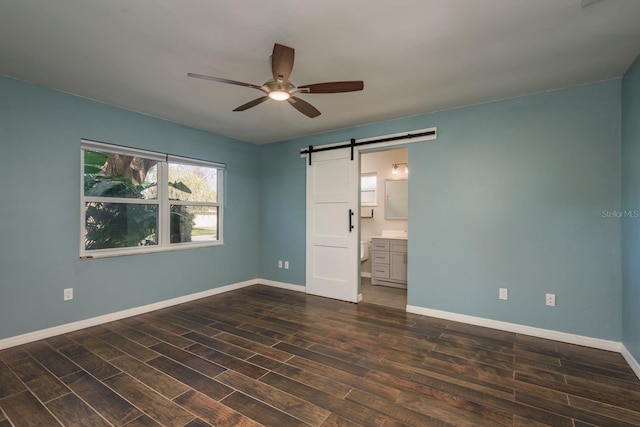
333 215
383 227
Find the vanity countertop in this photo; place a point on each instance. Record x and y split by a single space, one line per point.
396 237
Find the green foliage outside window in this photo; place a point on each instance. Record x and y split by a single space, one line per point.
118 225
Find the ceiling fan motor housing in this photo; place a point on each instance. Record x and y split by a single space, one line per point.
279 88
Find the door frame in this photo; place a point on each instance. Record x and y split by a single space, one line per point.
356 152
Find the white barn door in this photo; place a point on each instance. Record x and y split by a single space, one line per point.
332 224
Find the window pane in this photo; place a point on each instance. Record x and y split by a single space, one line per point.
193 183
119 175
120 225
368 181
368 198
368 185
194 224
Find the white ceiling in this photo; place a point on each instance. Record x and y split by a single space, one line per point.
415 56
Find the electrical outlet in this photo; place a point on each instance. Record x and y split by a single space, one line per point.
503 293
68 294
280 264
550 300
286 265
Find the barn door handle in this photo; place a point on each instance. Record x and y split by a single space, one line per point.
350 220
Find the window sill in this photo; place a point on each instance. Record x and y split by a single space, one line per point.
109 253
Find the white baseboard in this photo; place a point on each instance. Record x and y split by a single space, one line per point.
98 320
365 274
521 329
93 321
282 285
633 363
479 321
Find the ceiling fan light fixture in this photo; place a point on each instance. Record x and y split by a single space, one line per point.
279 95
279 88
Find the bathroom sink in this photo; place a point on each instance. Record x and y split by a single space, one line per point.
393 234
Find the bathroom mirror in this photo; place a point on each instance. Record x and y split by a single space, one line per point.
396 198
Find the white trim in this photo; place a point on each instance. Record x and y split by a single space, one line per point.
479 321
119 149
87 323
633 363
339 247
190 203
162 202
98 320
164 212
221 203
365 274
520 329
93 199
282 285
194 162
115 252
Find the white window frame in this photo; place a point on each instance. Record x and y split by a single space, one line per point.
373 190
162 201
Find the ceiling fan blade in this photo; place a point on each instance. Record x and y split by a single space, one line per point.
251 104
334 87
304 107
282 62
221 80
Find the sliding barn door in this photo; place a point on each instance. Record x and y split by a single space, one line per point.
332 225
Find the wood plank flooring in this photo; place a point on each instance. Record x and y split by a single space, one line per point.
272 357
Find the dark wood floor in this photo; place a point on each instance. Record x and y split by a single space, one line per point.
266 356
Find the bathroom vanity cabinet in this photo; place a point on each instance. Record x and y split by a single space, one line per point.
389 262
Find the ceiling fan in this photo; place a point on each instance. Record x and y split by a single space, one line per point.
279 88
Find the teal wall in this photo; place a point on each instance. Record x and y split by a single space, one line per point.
40 132
631 203
282 212
511 194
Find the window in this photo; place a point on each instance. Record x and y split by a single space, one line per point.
368 185
136 201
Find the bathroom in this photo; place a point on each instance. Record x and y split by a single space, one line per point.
383 217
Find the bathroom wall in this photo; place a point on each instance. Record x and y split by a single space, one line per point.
380 162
